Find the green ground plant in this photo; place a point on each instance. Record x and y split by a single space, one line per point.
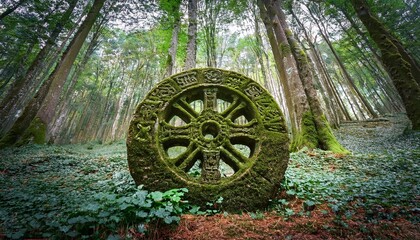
86 191
56 192
384 178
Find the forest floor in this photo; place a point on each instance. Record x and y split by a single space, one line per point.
85 191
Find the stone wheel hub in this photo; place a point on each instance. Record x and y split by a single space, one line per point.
215 132
210 130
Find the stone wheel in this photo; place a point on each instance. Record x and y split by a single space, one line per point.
215 132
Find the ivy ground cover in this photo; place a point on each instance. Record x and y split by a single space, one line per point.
85 192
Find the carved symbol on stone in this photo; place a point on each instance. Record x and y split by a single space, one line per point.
143 132
235 82
213 76
271 116
253 91
210 100
211 162
149 109
186 79
211 137
163 92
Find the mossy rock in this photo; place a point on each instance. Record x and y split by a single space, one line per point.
216 132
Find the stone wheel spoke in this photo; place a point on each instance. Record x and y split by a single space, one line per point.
234 110
189 159
171 135
181 158
246 130
210 99
185 111
210 166
233 158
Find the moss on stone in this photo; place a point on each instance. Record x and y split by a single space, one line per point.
250 192
258 177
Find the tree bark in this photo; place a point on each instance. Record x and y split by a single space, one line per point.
211 12
170 62
40 110
396 60
339 111
190 60
16 96
315 118
278 58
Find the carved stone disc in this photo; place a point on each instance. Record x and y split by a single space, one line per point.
216 132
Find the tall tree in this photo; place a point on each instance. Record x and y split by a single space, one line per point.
402 68
16 95
172 8
339 111
324 34
40 110
191 56
315 125
294 96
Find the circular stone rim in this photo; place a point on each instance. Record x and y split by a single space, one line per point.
252 190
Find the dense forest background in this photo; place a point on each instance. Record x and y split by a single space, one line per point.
74 71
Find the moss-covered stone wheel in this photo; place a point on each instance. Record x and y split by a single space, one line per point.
216 132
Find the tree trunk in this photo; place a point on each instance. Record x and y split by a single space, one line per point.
170 62
397 61
210 16
340 63
278 58
339 111
190 60
314 121
16 96
41 108
56 125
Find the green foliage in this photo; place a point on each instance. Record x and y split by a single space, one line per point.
171 8
214 207
75 192
387 178
257 215
55 191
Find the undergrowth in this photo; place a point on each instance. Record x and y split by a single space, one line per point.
383 183
68 192
86 191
